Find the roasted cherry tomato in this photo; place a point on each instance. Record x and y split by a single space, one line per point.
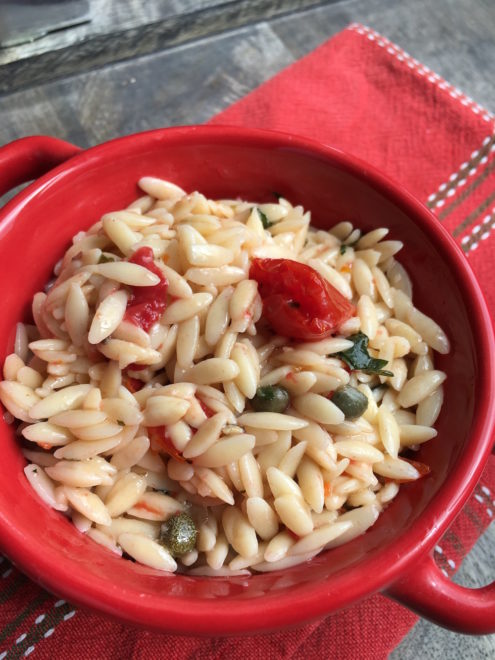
147 303
297 301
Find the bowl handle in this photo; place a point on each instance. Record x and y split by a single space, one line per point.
29 157
431 594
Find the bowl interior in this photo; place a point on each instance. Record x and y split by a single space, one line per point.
34 235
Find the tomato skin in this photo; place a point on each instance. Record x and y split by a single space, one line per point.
297 301
146 507
423 469
147 303
161 441
206 409
132 384
292 534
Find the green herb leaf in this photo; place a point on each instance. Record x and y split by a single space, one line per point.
343 248
266 223
375 367
358 357
105 260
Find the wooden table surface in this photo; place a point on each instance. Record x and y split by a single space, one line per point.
140 65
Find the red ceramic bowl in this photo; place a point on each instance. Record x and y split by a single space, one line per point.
394 556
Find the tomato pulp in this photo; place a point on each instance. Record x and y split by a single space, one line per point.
297 301
147 303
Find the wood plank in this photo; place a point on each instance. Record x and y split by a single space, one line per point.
188 84
184 85
130 28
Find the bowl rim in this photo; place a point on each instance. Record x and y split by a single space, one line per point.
184 615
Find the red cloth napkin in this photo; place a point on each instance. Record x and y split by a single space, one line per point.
363 94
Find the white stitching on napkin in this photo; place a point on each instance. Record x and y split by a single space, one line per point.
460 177
413 63
479 232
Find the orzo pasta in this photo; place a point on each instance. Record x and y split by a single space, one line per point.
214 386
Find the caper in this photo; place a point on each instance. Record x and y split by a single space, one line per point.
178 534
351 401
271 398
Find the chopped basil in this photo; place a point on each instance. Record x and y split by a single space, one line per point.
264 220
104 259
343 247
358 357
